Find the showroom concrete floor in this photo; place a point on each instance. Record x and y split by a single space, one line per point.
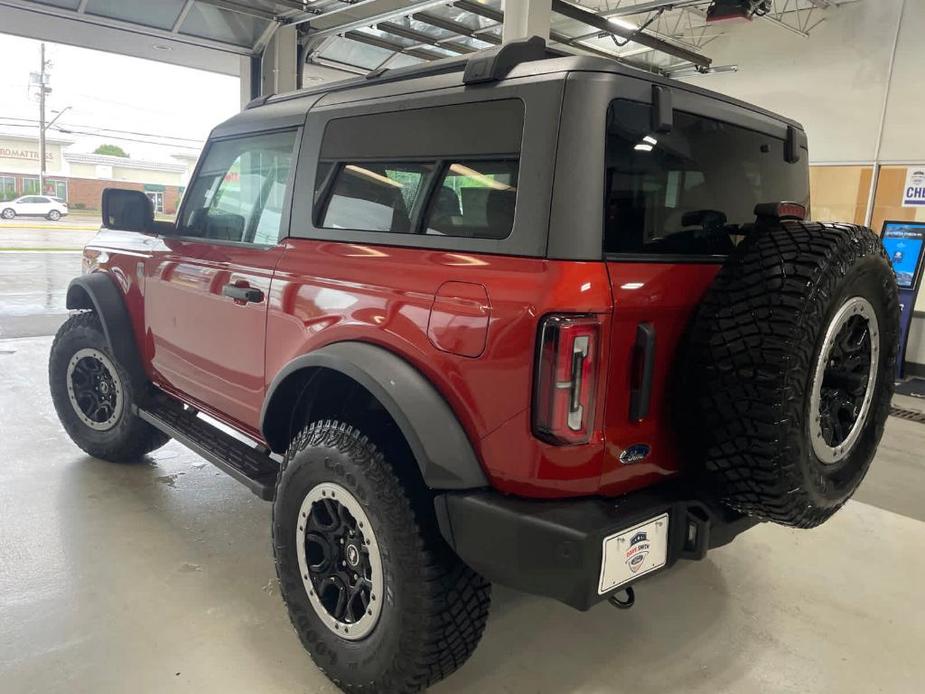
159 576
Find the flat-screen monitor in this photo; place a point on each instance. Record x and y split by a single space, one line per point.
904 243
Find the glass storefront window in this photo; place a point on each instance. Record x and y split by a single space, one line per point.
157 198
56 188
30 186
7 188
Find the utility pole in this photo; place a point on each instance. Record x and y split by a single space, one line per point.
42 123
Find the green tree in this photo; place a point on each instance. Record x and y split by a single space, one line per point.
111 150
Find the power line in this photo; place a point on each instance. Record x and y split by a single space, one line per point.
108 137
108 130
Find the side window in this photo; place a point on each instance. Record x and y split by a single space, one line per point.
474 199
441 171
374 196
239 192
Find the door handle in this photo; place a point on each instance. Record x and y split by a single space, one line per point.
243 294
642 372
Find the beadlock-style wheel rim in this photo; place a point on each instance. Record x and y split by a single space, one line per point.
94 389
339 561
844 380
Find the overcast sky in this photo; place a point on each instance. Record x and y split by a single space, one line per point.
106 90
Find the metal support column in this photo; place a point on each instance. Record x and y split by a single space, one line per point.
279 69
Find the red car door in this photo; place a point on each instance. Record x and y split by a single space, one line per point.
207 286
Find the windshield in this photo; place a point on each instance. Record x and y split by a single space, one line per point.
685 192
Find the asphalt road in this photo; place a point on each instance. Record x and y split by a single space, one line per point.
32 291
36 236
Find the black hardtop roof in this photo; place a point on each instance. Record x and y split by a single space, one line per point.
507 61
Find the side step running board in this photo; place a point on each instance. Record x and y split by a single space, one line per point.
246 464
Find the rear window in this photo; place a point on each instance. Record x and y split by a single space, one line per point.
686 192
443 171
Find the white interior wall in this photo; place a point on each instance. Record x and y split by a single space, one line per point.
834 83
902 133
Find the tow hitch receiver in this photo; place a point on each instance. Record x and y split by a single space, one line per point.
625 603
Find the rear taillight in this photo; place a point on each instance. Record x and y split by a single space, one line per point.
566 379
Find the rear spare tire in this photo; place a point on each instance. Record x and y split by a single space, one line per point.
791 365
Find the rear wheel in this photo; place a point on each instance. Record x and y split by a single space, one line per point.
793 354
377 597
8 213
93 394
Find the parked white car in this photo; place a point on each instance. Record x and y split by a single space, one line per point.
34 206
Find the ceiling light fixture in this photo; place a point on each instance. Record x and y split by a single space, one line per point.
623 24
373 176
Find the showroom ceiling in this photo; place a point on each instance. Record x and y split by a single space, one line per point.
360 35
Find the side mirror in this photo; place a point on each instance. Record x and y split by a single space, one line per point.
127 210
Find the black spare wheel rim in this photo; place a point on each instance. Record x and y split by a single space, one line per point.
94 389
339 561
844 380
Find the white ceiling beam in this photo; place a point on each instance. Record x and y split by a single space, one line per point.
184 11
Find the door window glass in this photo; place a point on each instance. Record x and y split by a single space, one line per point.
239 192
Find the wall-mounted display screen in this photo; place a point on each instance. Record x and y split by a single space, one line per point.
904 242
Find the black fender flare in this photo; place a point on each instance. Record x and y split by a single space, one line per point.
98 292
440 446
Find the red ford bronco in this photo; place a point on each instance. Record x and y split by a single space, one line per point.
521 317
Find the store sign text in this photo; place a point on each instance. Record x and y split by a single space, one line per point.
914 190
28 154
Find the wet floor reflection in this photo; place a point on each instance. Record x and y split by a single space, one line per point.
33 288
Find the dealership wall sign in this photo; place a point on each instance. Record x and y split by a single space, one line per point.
914 190
28 154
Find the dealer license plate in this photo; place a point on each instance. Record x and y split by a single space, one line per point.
632 553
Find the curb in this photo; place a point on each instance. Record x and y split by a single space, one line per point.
42 227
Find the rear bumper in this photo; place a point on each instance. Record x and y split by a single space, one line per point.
555 548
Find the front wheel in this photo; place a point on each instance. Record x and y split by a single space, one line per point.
378 599
93 395
54 215
8 213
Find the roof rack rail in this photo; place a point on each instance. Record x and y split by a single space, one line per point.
494 63
487 65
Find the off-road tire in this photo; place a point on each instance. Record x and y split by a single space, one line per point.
130 437
435 606
754 347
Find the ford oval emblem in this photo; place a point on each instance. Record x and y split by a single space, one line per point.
635 453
